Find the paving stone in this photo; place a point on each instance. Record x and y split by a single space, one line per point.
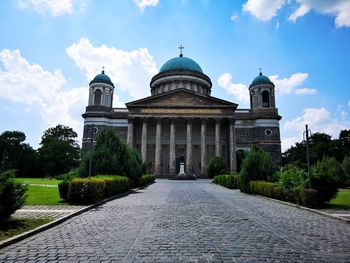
189 221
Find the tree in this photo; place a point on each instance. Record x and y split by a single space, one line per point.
216 166
59 152
257 166
17 155
12 195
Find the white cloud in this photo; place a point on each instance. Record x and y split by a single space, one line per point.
142 4
234 18
263 9
129 71
277 26
288 85
319 120
338 8
40 91
349 103
54 7
305 91
240 91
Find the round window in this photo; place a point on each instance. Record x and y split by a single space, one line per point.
268 132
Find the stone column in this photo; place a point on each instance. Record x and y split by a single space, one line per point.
158 147
233 161
130 138
217 138
189 148
172 146
203 147
144 140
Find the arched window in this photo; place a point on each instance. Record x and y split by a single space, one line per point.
98 94
265 99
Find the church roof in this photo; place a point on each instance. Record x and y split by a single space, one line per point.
261 79
102 78
181 63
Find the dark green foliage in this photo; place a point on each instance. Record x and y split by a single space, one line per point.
309 198
15 154
112 156
226 180
59 152
12 195
146 179
63 188
321 145
85 190
216 166
291 180
346 170
257 166
325 177
68 176
267 189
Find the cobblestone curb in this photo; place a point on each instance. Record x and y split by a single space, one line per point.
53 223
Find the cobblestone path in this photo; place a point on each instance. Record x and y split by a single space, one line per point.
189 221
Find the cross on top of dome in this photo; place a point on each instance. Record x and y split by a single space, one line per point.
181 47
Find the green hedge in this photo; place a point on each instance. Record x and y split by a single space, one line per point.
90 190
146 179
267 189
115 184
226 180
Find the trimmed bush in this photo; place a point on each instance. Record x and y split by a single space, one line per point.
226 180
267 189
85 190
325 176
291 180
146 179
12 195
257 166
309 198
115 184
216 166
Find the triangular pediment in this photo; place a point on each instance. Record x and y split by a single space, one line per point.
181 98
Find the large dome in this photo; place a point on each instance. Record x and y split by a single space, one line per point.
261 79
102 78
181 63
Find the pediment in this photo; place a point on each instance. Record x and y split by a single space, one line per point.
181 98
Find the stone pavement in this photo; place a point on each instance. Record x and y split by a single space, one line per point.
189 221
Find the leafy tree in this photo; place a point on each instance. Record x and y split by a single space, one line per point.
257 166
346 170
12 195
59 152
110 155
321 145
216 166
291 180
15 154
325 177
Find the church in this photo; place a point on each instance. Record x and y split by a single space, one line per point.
181 121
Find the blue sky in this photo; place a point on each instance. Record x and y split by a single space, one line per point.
50 50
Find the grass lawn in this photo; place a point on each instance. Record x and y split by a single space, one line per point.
17 226
38 181
342 200
42 195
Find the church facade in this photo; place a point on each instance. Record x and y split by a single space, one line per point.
181 121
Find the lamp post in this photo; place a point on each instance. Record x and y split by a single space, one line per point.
306 137
92 130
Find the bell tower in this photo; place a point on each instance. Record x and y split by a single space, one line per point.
262 93
101 91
